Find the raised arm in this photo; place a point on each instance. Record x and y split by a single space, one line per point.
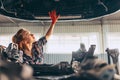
54 18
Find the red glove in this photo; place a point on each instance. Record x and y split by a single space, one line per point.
54 16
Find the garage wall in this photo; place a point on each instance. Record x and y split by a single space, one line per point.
103 28
66 27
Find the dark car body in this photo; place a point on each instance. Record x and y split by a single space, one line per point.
68 9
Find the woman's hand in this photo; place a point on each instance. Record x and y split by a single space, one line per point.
53 16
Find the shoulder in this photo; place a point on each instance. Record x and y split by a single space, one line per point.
41 41
12 46
43 38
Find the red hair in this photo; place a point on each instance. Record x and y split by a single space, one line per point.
20 37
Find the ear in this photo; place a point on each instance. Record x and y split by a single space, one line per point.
26 41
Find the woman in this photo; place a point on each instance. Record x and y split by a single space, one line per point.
31 50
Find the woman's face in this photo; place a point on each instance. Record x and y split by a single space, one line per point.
31 37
